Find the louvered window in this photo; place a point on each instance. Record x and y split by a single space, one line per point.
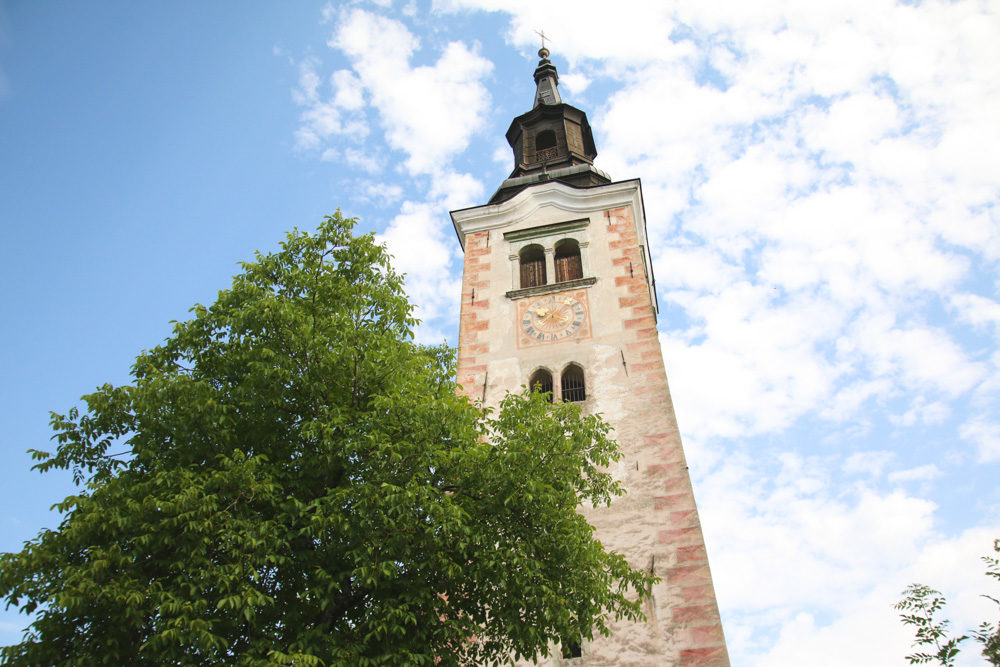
541 381
532 266
573 387
568 264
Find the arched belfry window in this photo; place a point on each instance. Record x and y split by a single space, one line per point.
532 266
541 381
573 387
545 139
568 264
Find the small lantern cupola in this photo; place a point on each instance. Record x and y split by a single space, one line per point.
547 80
553 141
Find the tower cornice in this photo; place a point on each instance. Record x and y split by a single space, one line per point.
573 201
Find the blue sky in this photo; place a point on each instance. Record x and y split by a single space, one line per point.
821 187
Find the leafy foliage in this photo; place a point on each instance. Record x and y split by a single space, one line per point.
298 483
922 604
988 634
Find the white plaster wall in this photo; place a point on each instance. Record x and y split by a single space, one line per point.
655 523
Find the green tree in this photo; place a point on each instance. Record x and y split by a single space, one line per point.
289 479
921 604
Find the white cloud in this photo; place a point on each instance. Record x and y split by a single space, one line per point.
850 398
807 571
422 251
428 112
870 463
977 310
321 120
383 194
985 433
748 364
685 267
923 412
349 91
502 154
870 632
329 12
954 567
454 190
876 638
852 125
919 474
306 93
779 538
575 83
363 160
359 31
918 357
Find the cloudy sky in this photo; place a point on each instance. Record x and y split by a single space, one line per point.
821 185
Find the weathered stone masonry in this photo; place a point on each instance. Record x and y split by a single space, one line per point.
679 556
473 321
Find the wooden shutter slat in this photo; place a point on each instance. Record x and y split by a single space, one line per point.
568 267
574 268
533 273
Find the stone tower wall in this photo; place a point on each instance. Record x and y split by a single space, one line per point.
473 327
655 525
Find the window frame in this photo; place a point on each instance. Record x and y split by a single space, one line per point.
567 269
533 381
532 272
573 394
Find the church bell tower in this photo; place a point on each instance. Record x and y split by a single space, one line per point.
558 290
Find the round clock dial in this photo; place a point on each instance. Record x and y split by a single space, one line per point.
553 318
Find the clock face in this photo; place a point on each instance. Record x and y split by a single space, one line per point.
553 317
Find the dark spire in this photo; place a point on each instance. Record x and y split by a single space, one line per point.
547 80
552 142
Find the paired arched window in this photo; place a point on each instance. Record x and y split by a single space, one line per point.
541 381
573 386
568 264
571 382
532 266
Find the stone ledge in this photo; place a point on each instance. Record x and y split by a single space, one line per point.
515 294
546 230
